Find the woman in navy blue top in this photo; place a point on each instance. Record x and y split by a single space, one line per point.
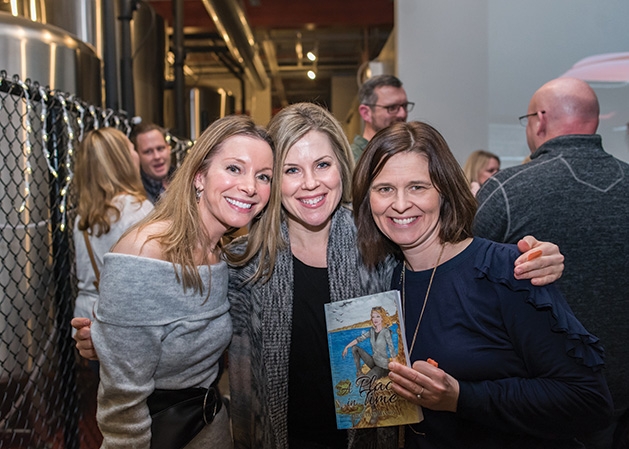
514 367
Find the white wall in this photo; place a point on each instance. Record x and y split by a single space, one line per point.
471 67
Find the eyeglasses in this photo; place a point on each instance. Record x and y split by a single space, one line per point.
394 108
524 120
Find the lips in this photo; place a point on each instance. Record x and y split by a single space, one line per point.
312 201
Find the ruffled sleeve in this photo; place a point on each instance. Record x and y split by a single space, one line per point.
497 265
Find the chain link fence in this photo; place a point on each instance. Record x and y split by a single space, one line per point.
47 394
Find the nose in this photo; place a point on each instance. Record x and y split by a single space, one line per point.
248 185
402 114
310 181
400 202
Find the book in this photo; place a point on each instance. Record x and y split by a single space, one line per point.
364 334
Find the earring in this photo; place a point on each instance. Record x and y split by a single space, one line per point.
197 193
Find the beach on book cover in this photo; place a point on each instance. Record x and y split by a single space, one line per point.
364 334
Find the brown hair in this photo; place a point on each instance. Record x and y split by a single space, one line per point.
458 205
143 128
104 169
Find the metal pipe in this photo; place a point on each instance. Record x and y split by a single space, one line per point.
126 59
230 20
110 73
179 82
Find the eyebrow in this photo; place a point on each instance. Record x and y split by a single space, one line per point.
327 156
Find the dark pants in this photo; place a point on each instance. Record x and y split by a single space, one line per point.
374 370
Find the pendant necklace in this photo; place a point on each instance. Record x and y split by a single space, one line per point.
421 314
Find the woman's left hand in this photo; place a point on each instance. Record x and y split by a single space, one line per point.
541 262
425 385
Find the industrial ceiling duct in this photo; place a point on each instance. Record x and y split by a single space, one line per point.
232 24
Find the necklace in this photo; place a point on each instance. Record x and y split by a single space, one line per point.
421 313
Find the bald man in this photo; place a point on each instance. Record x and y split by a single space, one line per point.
574 194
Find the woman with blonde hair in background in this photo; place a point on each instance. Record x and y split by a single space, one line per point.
479 167
111 199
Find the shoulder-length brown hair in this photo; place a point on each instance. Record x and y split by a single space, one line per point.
178 207
458 205
103 169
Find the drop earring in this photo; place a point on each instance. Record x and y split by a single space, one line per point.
197 193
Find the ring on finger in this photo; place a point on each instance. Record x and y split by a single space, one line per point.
419 395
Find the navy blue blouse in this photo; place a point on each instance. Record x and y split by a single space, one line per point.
529 372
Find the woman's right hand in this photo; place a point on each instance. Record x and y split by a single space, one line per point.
83 338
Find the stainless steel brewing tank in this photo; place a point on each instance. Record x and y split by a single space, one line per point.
51 56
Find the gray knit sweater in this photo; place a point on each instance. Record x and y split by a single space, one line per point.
259 353
149 334
576 195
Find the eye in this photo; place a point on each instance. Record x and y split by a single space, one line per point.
290 170
233 168
264 178
324 164
417 187
384 189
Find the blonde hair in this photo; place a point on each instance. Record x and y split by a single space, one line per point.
289 126
103 169
179 209
476 162
387 321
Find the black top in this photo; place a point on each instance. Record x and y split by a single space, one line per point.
311 415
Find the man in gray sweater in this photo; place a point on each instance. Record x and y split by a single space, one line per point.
576 195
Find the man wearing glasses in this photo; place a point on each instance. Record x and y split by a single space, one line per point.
382 102
576 195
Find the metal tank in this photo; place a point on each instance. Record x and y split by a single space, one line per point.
148 36
49 55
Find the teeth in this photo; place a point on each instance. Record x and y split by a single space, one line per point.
404 221
313 201
239 203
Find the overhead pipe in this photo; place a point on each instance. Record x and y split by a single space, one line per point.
233 27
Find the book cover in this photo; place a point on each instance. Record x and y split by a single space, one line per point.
364 334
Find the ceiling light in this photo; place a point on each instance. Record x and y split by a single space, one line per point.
310 55
311 74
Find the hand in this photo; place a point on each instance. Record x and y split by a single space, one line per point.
425 385
541 270
83 338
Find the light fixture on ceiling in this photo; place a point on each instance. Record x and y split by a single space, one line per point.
311 56
311 74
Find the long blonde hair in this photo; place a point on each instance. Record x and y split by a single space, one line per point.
286 129
179 209
103 169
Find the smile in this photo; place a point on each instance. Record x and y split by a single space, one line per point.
403 221
313 201
239 203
